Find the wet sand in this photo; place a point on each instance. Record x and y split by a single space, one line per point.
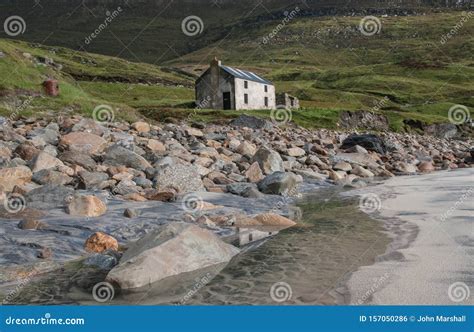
431 260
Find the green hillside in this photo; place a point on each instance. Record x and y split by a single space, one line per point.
86 81
403 72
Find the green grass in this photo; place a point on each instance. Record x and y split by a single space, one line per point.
309 118
330 65
86 81
325 62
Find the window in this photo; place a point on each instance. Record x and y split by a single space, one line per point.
291 102
246 84
266 101
246 98
266 88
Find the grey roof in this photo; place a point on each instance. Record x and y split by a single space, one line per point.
245 75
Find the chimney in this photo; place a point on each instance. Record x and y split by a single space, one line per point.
216 62
215 78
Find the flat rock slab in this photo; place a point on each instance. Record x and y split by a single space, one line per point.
171 250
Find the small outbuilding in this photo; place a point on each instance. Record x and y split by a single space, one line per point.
288 101
227 88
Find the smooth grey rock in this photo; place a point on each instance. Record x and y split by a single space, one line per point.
89 126
239 188
91 180
48 196
131 213
269 160
119 156
143 182
81 159
278 183
103 262
50 136
169 251
368 141
251 122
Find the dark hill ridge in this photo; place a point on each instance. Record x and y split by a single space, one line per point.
150 31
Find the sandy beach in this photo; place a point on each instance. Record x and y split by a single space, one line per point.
431 259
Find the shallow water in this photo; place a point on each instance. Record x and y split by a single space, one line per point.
311 261
305 264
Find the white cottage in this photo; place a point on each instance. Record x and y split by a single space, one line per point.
227 88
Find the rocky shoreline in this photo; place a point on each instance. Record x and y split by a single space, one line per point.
74 187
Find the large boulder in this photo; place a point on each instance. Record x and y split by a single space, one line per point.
369 141
185 178
13 176
278 183
119 156
83 142
268 160
251 122
173 249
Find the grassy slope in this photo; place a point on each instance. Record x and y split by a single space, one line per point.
329 65
22 77
326 62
